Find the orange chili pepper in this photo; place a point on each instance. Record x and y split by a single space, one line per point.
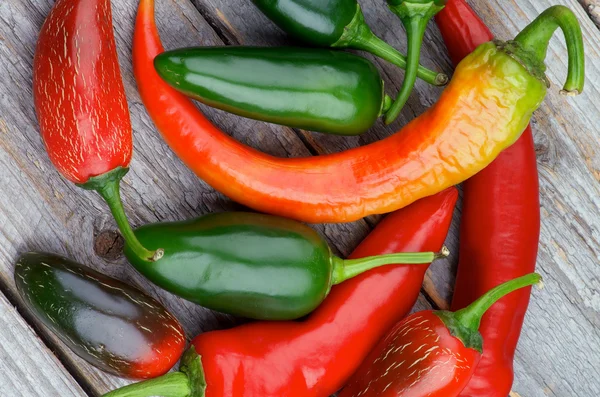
483 110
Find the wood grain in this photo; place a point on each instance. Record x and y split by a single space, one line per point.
559 354
593 9
27 367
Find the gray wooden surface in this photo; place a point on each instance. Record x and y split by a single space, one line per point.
559 353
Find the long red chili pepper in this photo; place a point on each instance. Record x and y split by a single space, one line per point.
316 357
430 353
500 228
81 105
474 120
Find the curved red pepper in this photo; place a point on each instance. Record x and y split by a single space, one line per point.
316 357
446 145
81 104
500 228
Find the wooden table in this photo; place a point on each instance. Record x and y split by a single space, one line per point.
559 353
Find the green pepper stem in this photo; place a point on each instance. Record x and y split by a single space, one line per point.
174 384
189 382
108 186
470 316
345 269
414 17
374 45
536 38
387 104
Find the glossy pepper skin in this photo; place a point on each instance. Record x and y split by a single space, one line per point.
430 353
449 143
335 23
316 356
80 102
312 89
108 323
499 234
251 265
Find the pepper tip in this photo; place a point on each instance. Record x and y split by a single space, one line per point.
444 253
158 254
441 79
570 92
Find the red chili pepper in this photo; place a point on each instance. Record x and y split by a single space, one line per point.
81 104
500 228
431 353
449 143
316 356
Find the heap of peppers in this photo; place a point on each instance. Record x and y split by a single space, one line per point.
270 268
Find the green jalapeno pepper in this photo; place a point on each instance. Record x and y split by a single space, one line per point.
108 323
336 23
313 89
251 265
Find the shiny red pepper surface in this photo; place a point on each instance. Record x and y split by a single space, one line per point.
419 357
78 91
430 353
500 227
317 356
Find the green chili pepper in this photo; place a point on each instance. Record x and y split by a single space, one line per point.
336 23
108 323
415 15
313 89
251 265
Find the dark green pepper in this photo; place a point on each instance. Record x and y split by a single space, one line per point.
110 324
252 265
313 89
336 23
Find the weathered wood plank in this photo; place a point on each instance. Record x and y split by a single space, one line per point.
52 215
27 367
593 9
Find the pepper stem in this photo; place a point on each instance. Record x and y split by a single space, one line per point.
358 35
464 324
471 315
345 269
189 382
536 37
108 186
174 384
414 16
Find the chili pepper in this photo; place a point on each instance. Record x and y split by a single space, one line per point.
448 144
415 15
315 357
499 234
313 89
430 353
338 24
252 265
109 324
81 105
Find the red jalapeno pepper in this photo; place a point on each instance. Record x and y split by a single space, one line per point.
81 105
430 353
